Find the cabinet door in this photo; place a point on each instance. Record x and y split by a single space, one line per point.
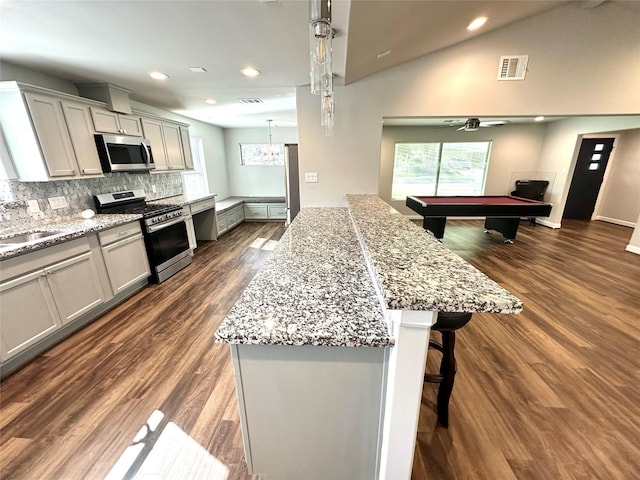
105 121
173 146
75 285
186 148
277 212
221 220
78 118
130 125
28 313
53 136
257 212
126 262
153 132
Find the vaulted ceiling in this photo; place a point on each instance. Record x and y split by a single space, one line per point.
120 42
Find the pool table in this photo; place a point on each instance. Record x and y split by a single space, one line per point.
502 212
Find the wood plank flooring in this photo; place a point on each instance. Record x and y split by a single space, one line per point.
551 393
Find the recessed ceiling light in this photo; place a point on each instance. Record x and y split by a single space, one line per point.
198 69
250 72
539 118
210 101
477 23
158 75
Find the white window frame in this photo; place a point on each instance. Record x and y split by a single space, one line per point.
195 181
420 190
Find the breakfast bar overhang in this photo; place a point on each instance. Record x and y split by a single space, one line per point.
329 341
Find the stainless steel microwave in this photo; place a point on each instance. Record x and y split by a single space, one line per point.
120 153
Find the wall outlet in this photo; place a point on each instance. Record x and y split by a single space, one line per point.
33 206
311 177
58 202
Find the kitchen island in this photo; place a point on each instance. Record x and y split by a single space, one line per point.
329 341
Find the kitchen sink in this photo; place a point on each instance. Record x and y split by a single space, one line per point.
26 238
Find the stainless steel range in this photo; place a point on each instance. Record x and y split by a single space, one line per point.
165 232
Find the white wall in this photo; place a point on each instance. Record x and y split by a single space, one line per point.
565 45
515 149
254 181
11 72
560 152
620 196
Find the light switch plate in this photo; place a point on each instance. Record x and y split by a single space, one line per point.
33 206
58 202
311 177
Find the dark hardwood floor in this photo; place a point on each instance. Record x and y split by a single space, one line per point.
553 393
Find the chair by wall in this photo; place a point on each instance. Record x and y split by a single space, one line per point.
531 189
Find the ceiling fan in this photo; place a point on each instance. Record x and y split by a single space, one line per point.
473 123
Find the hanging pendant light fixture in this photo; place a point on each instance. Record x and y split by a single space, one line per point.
321 36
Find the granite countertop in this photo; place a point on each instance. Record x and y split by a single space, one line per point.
184 199
66 229
414 271
314 289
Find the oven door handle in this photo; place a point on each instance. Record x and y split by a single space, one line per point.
155 228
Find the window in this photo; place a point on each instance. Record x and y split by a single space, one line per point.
262 154
439 169
195 181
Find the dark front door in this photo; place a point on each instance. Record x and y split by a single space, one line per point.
587 177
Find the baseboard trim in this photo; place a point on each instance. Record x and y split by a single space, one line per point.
615 221
633 249
547 223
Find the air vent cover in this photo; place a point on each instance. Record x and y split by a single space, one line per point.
249 100
513 67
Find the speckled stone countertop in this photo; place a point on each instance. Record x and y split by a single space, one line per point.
184 199
314 289
415 271
66 229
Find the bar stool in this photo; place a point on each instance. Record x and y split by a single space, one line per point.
447 323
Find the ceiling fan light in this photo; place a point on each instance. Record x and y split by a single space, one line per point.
472 124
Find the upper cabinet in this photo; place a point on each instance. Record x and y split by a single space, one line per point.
105 121
51 135
186 147
48 136
167 145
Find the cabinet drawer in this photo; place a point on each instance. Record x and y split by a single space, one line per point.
222 222
277 211
204 205
255 211
118 233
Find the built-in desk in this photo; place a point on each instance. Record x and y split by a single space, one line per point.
329 341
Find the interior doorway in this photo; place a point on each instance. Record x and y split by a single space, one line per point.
591 165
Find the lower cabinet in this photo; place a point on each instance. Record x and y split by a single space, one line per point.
36 304
124 256
265 211
230 219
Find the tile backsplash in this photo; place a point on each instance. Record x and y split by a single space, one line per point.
14 195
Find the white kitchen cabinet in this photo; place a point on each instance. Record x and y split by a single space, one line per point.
28 313
154 132
173 146
265 211
186 147
277 212
105 121
75 285
78 119
255 211
52 133
229 219
37 303
125 256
